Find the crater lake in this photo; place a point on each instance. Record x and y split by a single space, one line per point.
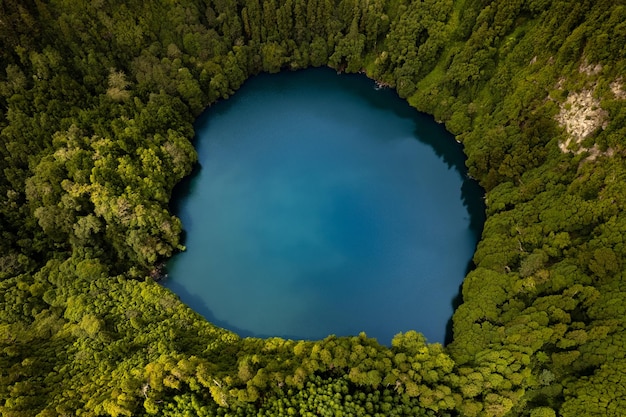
321 205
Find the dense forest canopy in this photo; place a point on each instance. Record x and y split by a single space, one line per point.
97 100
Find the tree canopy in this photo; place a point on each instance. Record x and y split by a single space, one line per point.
97 101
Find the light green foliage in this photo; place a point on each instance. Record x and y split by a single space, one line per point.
600 394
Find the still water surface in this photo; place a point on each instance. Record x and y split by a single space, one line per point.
324 206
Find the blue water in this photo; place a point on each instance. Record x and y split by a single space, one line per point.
324 206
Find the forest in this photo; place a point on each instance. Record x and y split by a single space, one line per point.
97 104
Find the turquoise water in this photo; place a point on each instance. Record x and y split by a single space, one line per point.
324 206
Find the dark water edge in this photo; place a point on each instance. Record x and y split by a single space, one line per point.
449 151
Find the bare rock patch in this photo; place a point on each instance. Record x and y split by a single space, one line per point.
580 115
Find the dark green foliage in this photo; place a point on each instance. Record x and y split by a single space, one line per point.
96 105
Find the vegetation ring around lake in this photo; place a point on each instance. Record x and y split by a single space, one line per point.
97 103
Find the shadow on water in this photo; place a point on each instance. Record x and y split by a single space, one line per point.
426 129
451 152
181 190
474 202
456 302
184 188
429 132
473 196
